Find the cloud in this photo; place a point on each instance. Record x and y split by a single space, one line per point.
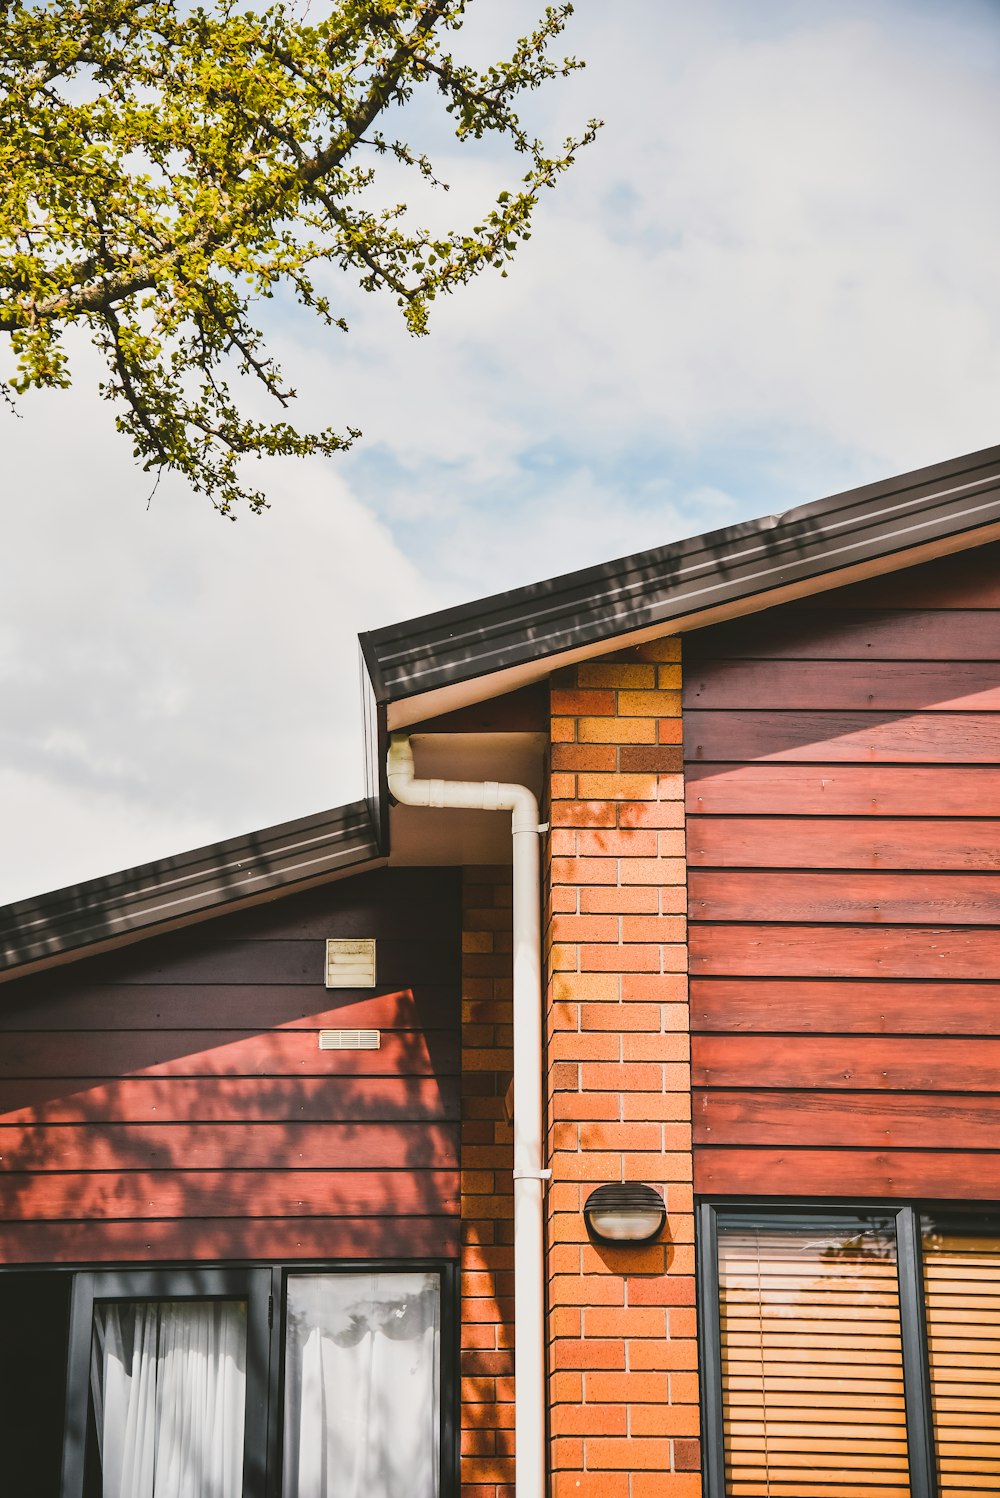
772 276
179 677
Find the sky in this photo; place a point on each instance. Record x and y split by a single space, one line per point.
771 278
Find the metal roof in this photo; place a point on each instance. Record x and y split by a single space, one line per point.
684 579
88 917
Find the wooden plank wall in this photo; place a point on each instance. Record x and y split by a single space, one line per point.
170 1100
843 797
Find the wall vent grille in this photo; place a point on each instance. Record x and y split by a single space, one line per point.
350 1040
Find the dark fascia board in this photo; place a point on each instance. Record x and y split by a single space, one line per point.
664 586
210 881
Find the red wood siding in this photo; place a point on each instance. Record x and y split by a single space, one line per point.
170 1100
843 800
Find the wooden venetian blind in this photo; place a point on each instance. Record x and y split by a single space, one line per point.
812 1367
962 1298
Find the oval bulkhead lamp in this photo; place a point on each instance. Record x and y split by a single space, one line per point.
625 1212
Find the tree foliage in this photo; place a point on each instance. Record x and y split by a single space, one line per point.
167 166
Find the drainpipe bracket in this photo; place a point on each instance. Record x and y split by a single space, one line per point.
532 1175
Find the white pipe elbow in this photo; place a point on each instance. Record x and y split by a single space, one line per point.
400 773
524 808
474 795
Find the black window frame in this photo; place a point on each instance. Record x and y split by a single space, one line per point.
263 1287
912 1318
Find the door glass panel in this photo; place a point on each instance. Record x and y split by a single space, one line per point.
168 1399
962 1300
812 1367
362 1414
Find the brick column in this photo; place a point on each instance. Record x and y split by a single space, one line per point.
622 1337
487 1416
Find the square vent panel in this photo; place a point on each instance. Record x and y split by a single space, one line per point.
350 964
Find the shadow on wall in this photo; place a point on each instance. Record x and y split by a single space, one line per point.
175 1095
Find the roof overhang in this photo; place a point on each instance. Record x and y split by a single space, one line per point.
476 689
451 659
113 911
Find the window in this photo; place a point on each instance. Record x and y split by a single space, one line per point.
850 1352
237 1382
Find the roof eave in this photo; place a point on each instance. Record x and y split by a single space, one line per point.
152 898
493 644
426 705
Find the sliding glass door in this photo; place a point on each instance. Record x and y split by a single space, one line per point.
260 1382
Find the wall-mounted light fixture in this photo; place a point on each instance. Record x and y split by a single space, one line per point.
625 1213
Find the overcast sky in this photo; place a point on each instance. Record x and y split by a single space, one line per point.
773 277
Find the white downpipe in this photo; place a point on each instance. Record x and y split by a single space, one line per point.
529 1293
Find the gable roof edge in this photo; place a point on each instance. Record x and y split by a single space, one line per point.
114 910
882 526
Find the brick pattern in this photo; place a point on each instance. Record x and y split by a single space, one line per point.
487 1358
622 1338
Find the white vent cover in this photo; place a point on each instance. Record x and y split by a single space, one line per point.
350 1040
350 964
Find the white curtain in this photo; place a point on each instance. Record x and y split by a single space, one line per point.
362 1402
169 1387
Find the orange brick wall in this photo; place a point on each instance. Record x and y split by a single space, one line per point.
622 1340
487 1358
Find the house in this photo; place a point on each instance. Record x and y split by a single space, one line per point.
256 1149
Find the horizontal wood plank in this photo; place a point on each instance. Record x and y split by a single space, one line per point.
228 1193
957 843
199 959
360 1145
96 1100
822 634
882 1064
848 1173
238 1006
807 951
408 905
220 1053
780 789
856 897
881 686
846 1120
816 1006
844 737
316 1238
967 580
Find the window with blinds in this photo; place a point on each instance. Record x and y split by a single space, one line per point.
850 1352
961 1264
811 1357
